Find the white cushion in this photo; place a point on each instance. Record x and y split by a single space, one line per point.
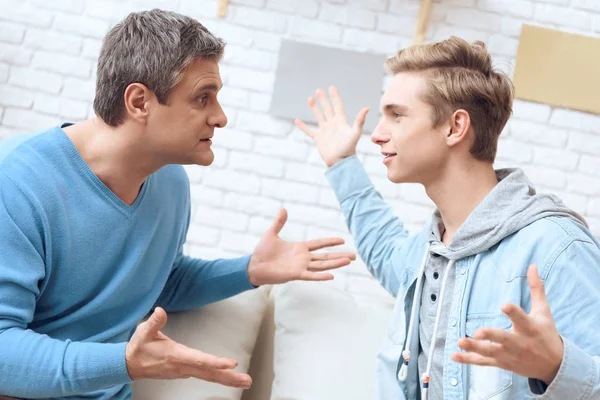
228 328
327 338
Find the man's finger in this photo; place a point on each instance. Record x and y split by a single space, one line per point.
314 276
486 349
195 358
538 292
312 103
224 377
279 221
519 318
328 264
474 359
338 105
304 128
155 323
318 244
332 256
327 109
359 121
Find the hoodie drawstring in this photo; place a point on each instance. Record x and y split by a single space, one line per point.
403 373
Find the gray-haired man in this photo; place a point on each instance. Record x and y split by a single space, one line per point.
94 217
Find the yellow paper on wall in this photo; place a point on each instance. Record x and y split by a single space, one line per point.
558 68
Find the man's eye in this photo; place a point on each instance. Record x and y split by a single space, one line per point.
203 99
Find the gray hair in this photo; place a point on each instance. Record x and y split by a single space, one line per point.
152 48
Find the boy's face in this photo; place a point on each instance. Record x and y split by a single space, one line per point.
416 150
181 129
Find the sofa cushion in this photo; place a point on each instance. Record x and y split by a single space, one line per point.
228 328
327 338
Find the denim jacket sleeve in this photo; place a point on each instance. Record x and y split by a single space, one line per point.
377 233
573 288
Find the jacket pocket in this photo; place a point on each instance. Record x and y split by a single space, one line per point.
486 383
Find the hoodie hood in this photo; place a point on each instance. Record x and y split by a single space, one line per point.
510 206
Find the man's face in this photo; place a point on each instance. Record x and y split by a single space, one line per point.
416 151
181 130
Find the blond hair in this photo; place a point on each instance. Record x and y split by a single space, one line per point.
460 76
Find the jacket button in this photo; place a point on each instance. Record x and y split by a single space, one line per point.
453 382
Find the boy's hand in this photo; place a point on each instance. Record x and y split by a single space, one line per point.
533 348
335 139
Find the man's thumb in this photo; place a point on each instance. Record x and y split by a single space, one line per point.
280 221
157 321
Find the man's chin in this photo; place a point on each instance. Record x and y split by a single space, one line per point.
205 159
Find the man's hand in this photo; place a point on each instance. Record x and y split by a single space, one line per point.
276 261
533 348
151 354
335 139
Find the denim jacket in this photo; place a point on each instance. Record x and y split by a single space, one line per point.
568 260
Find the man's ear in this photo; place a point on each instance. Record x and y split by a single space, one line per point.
460 125
136 100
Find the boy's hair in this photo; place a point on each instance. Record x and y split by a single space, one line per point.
460 76
153 48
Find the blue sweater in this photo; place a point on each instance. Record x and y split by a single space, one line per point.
79 269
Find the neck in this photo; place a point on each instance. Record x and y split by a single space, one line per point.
115 156
458 191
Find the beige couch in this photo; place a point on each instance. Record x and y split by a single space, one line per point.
298 341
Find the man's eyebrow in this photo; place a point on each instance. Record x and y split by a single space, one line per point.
209 87
391 107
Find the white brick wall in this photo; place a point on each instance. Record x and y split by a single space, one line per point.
302 27
306 8
48 51
515 8
3 72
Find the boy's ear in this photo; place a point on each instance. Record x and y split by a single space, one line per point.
460 124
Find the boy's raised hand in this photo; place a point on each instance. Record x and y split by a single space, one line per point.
335 139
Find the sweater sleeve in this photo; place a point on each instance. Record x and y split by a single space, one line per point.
33 365
194 282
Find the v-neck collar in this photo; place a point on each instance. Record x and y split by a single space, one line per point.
76 157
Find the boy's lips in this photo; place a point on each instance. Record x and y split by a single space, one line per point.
387 157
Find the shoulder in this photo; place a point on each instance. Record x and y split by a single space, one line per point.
170 185
28 163
22 145
544 243
27 156
172 176
556 228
